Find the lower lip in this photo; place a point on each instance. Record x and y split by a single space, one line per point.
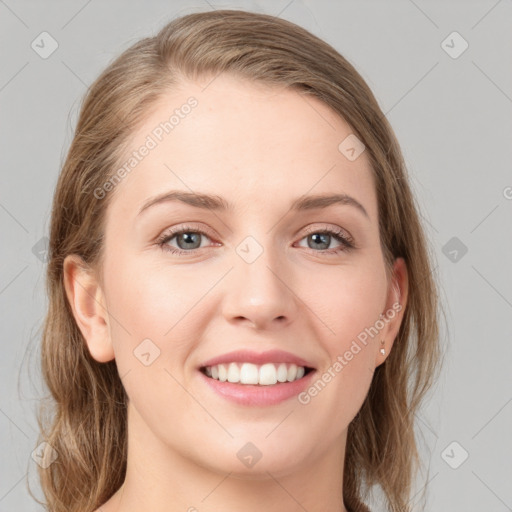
250 394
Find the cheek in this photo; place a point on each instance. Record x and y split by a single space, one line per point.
153 300
350 306
151 311
349 300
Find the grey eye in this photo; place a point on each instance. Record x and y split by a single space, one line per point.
319 238
191 240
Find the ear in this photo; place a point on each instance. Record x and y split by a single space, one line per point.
395 307
88 304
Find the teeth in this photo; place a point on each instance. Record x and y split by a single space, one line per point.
233 373
282 373
223 373
267 374
292 373
249 374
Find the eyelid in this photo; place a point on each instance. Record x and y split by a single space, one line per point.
345 238
315 228
184 228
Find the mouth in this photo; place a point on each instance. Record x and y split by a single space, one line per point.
261 379
250 374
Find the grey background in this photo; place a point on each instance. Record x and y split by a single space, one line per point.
452 117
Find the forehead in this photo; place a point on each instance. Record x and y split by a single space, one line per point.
245 141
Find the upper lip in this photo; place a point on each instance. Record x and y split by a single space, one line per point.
247 356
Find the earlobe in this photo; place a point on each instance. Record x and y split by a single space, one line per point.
395 307
88 304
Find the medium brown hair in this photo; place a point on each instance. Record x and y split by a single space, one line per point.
87 407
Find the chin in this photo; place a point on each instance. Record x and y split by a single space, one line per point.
253 461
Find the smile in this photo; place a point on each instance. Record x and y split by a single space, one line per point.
267 374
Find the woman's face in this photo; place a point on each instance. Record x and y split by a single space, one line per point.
259 269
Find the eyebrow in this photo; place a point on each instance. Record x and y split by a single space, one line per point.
218 203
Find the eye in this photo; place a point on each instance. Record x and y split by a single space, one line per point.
188 239
321 239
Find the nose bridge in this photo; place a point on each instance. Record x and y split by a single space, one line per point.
258 288
258 266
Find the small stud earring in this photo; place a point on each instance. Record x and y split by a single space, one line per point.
382 350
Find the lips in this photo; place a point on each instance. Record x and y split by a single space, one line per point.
256 395
257 378
258 358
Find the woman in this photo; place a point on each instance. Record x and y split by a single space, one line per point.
242 313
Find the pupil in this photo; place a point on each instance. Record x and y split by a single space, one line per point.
189 239
323 235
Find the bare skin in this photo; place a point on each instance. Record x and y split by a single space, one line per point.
260 149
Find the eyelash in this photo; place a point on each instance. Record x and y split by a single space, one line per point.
338 234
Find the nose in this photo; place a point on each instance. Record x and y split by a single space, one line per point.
260 294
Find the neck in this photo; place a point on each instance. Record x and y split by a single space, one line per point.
161 479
